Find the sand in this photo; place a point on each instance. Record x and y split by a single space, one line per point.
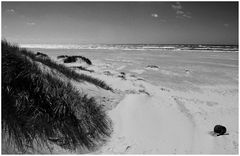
171 109
168 122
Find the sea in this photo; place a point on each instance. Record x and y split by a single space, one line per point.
175 47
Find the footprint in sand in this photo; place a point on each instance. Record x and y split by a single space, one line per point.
127 148
211 104
235 144
184 109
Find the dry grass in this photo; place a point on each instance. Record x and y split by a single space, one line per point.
71 74
39 107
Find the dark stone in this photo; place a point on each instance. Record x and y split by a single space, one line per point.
41 54
83 68
70 59
221 130
152 66
122 76
122 73
62 56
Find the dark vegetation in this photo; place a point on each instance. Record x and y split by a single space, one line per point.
71 74
83 68
37 107
42 55
152 66
70 59
122 75
62 56
220 130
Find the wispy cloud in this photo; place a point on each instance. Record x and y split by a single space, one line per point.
226 25
154 15
180 13
10 11
25 19
31 23
177 6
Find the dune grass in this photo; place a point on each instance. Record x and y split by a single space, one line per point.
70 59
71 74
37 107
83 68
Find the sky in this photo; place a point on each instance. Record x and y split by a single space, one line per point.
120 22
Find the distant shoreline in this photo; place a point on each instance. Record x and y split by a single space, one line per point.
172 47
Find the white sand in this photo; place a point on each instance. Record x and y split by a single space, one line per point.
168 121
172 121
167 124
177 115
138 71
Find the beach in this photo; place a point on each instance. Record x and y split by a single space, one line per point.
164 102
124 77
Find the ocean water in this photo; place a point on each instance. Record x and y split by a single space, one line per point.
175 47
183 67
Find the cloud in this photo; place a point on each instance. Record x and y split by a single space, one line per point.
10 11
31 23
154 15
159 19
177 6
184 16
226 25
180 13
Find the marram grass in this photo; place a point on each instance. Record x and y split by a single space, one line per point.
37 107
71 74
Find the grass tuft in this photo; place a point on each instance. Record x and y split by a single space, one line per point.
70 59
71 74
37 107
83 68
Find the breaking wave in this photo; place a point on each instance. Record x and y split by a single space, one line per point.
175 47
